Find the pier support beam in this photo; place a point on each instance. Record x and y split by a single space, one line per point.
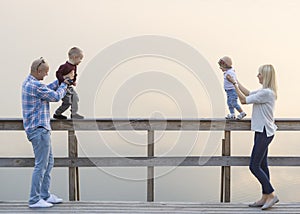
73 171
150 169
226 170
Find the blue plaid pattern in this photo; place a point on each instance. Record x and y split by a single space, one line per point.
35 102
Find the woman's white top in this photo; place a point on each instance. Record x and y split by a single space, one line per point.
263 101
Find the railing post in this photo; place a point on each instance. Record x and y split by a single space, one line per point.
222 173
73 171
150 169
226 170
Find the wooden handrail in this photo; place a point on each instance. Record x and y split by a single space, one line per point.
202 124
73 162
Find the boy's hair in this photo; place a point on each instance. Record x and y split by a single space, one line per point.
269 77
75 51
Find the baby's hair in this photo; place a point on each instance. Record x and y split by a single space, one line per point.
75 51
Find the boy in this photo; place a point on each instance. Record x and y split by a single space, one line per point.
71 98
225 64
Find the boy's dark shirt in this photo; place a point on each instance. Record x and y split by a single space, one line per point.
64 69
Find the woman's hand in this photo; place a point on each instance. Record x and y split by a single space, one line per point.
230 79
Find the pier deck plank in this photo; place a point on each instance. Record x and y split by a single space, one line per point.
146 207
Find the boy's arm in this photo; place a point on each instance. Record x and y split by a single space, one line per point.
59 74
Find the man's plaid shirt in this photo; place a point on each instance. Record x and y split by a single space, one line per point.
35 102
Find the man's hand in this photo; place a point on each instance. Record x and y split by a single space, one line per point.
68 81
69 77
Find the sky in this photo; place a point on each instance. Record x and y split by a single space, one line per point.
115 81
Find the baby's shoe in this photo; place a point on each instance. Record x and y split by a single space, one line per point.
230 117
241 116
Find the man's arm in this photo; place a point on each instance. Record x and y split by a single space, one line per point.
50 95
54 85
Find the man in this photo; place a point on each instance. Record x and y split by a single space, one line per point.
36 120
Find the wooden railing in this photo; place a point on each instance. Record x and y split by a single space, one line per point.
226 161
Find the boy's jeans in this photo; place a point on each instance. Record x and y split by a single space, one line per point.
232 100
70 99
44 161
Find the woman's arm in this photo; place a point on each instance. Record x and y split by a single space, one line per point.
240 94
241 91
244 90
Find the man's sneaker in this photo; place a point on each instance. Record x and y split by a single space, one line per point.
40 204
53 199
230 117
241 116
76 116
59 116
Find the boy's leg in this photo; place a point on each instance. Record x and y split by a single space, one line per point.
74 107
75 100
66 103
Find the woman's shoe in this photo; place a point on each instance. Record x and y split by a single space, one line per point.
269 204
256 204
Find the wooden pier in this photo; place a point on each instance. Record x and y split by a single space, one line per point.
130 207
73 162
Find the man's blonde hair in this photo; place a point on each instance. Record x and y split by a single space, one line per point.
75 51
269 77
39 63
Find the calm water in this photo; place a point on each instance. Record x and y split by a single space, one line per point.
172 184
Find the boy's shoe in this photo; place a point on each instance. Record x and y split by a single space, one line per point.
241 116
59 116
53 199
230 117
40 204
77 116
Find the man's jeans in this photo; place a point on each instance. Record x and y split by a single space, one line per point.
41 143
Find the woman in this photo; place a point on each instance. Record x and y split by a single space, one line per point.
262 122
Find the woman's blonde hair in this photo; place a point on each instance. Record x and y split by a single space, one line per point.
269 77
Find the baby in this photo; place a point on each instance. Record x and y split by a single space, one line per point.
225 64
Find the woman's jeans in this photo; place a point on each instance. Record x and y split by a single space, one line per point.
41 143
259 160
232 101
